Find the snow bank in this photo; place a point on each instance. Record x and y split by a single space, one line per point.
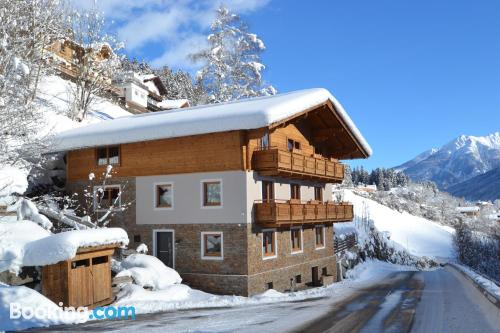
243 114
179 296
488 285
24 243
149 271
15 235
12 180
29 298
419 236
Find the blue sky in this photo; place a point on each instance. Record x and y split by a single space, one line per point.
412 74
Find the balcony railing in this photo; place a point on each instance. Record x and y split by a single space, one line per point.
281 162
281 212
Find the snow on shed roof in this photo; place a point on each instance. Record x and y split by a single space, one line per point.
249 113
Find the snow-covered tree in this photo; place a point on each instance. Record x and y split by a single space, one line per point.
26 29
96 65
180 85
232 65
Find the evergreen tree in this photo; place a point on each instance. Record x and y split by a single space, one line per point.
233 69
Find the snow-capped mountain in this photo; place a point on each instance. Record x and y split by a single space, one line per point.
457 161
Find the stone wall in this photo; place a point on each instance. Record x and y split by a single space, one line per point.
243 270
283 270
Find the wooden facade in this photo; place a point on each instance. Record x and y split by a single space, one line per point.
281 213
85 280
200 153
315 156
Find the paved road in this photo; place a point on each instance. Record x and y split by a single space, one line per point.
436 301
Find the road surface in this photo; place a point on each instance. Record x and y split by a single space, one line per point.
436 301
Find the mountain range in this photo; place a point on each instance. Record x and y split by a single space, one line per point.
465 167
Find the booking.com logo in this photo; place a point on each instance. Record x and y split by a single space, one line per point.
80 314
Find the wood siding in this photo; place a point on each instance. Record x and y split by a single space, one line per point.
201 153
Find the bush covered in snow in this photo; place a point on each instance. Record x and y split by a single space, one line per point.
149 272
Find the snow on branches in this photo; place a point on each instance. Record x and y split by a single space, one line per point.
233 69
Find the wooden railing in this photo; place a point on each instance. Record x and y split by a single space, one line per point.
347 242
281 212
281 162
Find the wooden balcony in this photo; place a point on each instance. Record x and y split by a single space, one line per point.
284 163
280 213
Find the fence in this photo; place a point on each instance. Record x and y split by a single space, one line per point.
347 242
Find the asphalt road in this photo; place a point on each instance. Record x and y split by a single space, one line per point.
436 301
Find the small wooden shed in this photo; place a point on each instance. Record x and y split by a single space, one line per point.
84 280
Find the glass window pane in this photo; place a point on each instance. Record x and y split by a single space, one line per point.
213 245
164 195
114 155
213 194
102 156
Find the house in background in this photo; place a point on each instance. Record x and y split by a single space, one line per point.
68 54
469 211
235 196
145 93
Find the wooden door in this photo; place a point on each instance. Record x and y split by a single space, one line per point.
101 282
164 249
80 286
315 276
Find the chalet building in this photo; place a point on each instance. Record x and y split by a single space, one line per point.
237 197
472 211
68 54
145 93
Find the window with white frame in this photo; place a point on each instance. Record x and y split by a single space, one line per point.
269 244
106 197
319 232
164 195
211 193
212 243
296 239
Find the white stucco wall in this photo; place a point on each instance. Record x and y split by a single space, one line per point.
187 199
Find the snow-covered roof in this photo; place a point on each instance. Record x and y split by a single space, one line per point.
249 113
468 209
25 243
168 104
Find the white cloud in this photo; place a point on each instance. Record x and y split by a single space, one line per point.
176 28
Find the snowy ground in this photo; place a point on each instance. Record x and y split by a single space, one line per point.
419 236
181 297
441 300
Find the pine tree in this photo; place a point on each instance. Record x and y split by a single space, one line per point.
233 69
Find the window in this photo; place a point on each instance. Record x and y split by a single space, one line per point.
320 236
269 244
212 193
267 191
318 193
293 145
295 191
108 155
324 271
137 238
296 239
298 278
264 141
211 245
164 196
269 285
107 197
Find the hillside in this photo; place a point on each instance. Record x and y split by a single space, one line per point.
457 161
482 187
